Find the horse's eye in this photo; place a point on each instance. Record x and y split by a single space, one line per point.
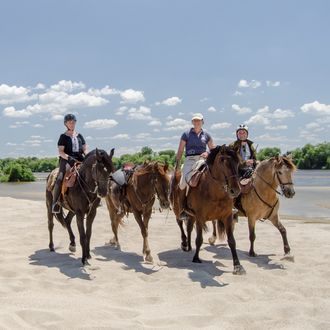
280 172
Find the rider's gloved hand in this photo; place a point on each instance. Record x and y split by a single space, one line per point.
71 161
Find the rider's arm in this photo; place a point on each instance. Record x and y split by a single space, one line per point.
211 144
179 153
62 153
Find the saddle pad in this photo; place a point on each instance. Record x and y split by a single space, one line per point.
119 177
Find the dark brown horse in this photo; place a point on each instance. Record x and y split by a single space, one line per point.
262 202
82 199
147 181
211 199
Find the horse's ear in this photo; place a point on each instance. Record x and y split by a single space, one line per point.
166 167
97 153
289 157
112 151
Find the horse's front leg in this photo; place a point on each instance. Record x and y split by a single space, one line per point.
89 223
115 220
49 199
68 220
252 236
199 241
278 224
190 226
238 268
213 238
146 218
82 235
144 231
184 245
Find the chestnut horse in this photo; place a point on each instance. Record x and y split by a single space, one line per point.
147 181
211 199
262 202
82 199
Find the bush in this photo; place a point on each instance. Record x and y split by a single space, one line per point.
15 172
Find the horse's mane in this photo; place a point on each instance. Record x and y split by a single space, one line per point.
148 167
90 157
286 160
226 149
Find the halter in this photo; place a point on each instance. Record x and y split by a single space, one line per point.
272 207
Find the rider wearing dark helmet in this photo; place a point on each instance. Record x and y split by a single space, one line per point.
246 151
71 148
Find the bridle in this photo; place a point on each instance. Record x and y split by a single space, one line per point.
226 185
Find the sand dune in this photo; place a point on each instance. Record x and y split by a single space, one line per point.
40 289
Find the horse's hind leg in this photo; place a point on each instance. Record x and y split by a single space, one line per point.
238 268
199 241
50 216
68 220
190 226
213 238
252 236
277 223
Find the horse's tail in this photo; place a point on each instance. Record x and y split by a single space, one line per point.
221 229
60 218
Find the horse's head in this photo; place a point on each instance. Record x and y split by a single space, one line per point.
284 168
102 167
162 184
224 161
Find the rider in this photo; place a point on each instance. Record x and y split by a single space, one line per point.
194 141
71 148
246 151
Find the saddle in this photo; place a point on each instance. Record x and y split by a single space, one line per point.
194 180
245 185
70 177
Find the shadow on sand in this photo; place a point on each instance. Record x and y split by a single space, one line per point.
65 262
203 273
130 260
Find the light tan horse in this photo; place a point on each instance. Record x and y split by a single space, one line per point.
262 201
147 181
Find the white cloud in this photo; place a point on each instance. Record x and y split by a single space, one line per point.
106 90
132 96
237 93
278 127
268 137
312 125
141 113
249 84
273 83
39 86
177 124
204 99
67 86
142 136
221 125
258 119
281 114
12 112
14 94
38 125
212 109
155 122
120 111
101 123
171 101
316 108
240 110
121 137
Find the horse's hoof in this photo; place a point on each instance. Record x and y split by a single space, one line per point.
118 247
184 247
252 254
288 257
72 248
197 260
51 249
112 242
85 262
239 270
149 259
212 240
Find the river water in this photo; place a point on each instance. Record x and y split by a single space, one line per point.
312 199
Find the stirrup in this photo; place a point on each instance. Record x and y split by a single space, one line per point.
56 208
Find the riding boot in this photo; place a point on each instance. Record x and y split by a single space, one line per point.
183 205
56 208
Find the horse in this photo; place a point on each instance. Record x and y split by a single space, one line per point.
82 199
262 202
211 199
147 181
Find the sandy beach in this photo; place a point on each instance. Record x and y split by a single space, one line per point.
41 290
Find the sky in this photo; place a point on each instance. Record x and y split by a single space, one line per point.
134 72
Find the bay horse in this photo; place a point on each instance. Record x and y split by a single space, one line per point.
147 181
262 202
82 199
211 199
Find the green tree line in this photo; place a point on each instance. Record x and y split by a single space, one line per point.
21 169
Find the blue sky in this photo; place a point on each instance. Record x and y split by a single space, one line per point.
134 72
